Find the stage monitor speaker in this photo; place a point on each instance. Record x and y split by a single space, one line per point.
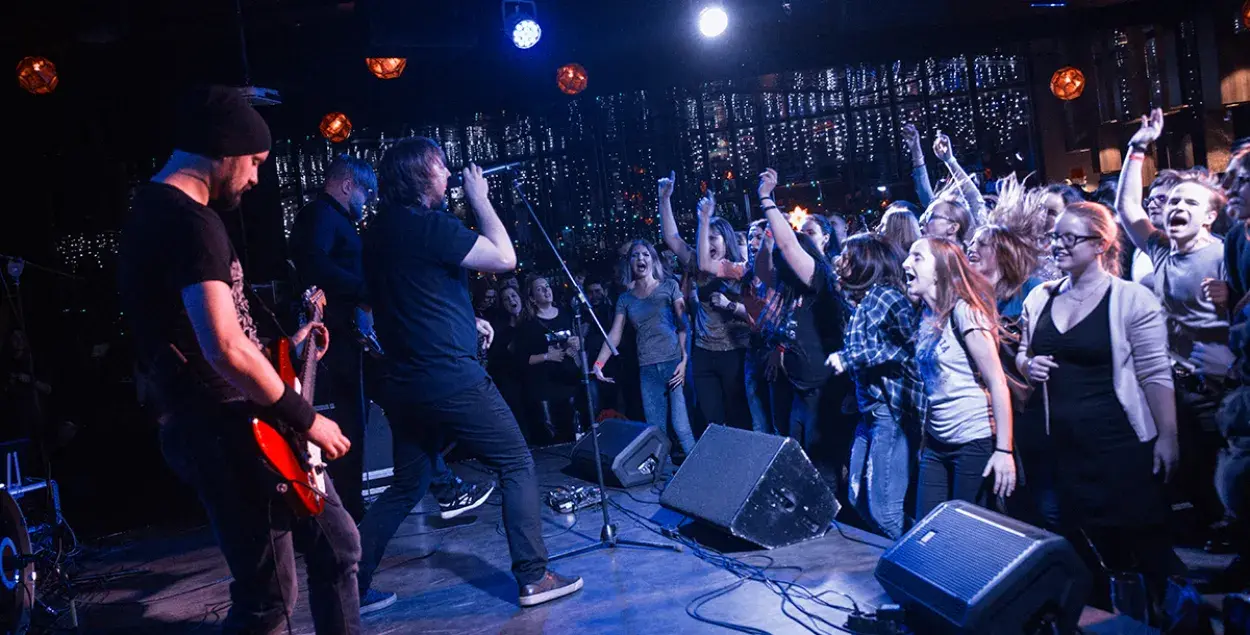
758 487
965 569
632 453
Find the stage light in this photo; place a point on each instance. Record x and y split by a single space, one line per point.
37 75
1067 83
520 20
713 21
883 189
336 127
571 78
386 67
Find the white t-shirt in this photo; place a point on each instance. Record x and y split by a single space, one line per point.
959 408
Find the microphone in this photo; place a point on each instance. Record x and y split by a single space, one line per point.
457 179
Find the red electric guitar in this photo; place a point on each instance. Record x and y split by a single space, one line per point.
295 459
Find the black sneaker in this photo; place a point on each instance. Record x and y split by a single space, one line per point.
374 600
552 586
468 496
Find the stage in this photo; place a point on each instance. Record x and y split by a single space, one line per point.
453 577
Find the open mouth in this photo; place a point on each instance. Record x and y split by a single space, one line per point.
974 257
1178 220
911 277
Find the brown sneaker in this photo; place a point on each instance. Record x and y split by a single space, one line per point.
552 586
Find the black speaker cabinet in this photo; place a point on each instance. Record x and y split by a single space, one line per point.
631 453
758 487
965 569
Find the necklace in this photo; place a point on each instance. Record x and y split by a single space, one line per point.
1092 292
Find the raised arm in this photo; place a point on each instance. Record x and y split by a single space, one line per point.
919 174
972 195
787 241
707 205
668 224
493 252
1128 195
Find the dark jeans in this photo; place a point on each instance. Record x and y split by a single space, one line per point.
213 451
879 470
344 364
1200 443
483 424
757 391
720 386
952 472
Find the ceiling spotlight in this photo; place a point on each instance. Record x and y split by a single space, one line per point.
520 21
713 21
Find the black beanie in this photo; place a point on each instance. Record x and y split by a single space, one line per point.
216 122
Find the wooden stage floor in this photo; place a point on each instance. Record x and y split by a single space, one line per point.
456 579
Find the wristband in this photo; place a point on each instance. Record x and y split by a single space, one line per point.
1007 452
598 365
292 410
1137 147
1136 155
768 207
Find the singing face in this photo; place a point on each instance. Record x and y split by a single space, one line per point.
1187 211
512 301
231 177
981 255
921 271
640 262
438 177
540 292
716 245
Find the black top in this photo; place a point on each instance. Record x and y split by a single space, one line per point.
421 303
817 327
326 250
171 242
549 380
1104 470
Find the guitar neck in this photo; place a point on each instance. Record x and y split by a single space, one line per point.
308 374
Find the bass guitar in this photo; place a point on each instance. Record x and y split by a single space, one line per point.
298 462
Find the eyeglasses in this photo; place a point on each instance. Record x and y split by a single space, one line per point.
933 217
1068 240
1159 199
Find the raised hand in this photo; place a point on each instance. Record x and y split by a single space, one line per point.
768 182
911 137
707 205
942 147
666 184
1151 129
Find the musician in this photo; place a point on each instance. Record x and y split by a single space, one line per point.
416 261
325 247
205 373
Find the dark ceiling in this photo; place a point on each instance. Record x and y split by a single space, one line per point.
119 58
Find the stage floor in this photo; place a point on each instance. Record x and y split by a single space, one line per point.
456 579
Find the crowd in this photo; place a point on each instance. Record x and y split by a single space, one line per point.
1079 362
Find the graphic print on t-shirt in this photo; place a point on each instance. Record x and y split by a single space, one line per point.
241 305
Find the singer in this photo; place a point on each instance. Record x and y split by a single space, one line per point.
416 260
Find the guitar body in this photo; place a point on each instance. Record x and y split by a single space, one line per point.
298 463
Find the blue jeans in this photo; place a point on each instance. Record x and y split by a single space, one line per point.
212 449
483 424
796 414
757 393
879 467
662 405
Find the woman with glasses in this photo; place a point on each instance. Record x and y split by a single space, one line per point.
1095 347
1190 282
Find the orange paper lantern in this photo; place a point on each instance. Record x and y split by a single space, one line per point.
571 78
1067 83
1245 14
336 127
386 67
37 75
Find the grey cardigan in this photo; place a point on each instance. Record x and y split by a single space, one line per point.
1139 346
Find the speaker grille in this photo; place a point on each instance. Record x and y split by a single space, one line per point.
718 477
960 554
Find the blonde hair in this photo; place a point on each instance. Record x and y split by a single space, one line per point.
1102 222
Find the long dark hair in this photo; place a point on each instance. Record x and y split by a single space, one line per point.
404 172
718 225
776 315
871 260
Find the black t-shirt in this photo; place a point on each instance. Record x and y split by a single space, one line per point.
422 308
817 331
548 380
168 243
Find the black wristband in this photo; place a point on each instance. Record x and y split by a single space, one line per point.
292 410
1009 452
1137 147
768 207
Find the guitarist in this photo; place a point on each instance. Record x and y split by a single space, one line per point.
205 375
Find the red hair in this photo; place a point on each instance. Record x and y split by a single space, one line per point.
956 280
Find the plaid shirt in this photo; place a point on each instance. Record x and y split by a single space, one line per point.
880 354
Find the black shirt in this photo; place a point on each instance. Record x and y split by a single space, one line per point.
817 321
171 242
326 250
421 303
548 380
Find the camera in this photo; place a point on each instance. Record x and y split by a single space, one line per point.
558 337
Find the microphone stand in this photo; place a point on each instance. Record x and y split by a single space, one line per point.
607 535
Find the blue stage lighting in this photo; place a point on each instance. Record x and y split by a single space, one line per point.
520 19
